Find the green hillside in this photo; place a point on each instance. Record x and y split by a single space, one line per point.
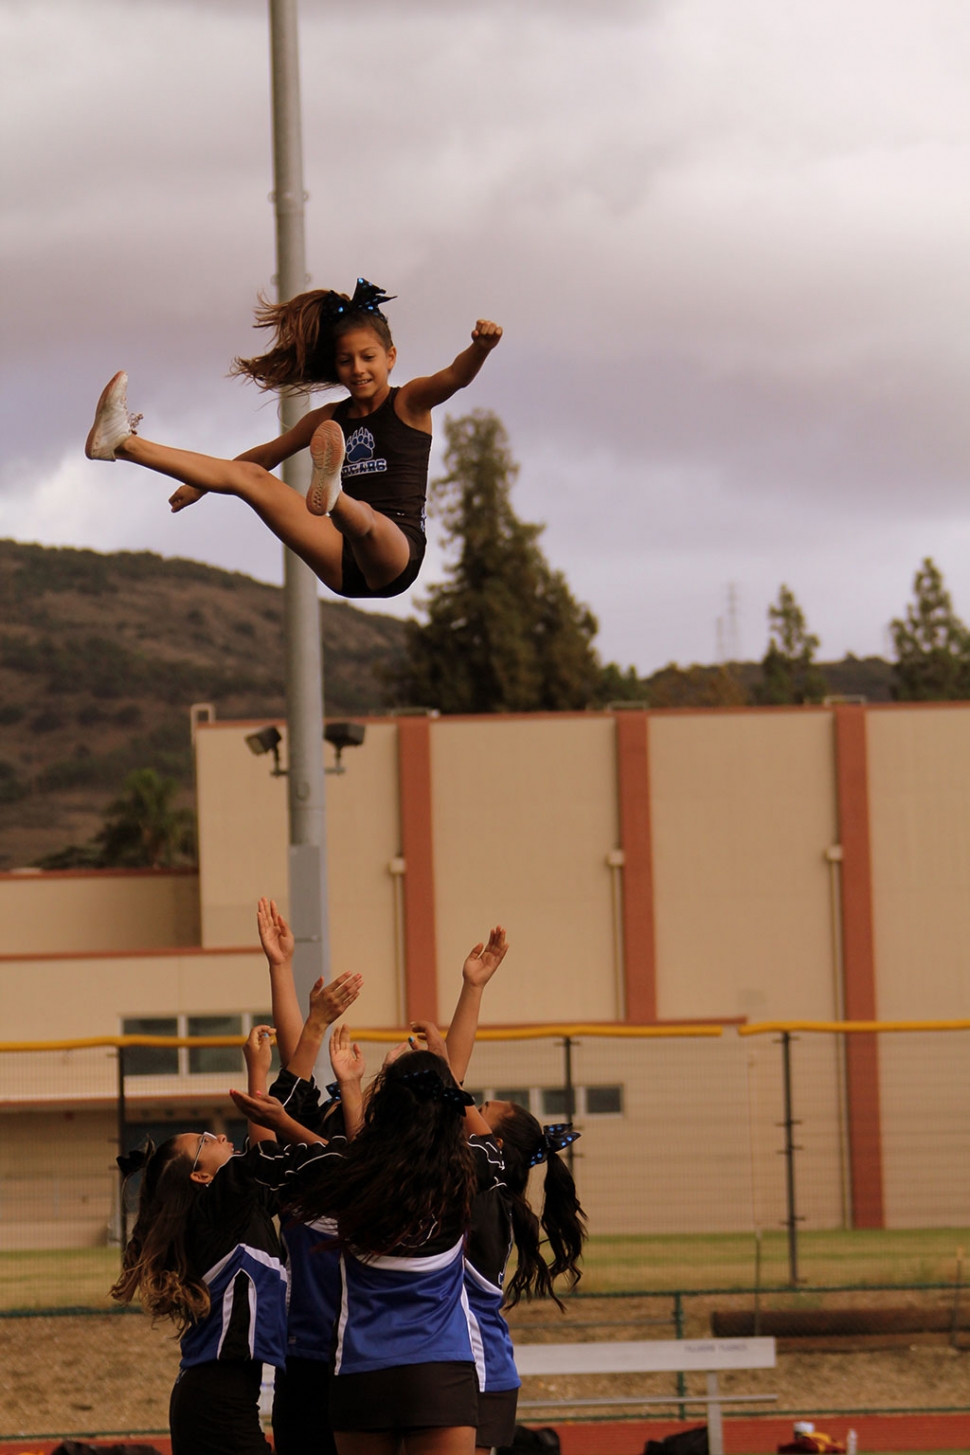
101 657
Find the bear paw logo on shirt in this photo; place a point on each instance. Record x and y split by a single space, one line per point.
360 446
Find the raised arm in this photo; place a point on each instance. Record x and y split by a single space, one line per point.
478 969
348 1067
272 1119
278 944
332 1000
418 397
258 1054
327 1002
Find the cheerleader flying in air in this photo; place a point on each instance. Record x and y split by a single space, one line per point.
361 527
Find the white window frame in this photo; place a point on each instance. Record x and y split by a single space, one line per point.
489 1093
247 1019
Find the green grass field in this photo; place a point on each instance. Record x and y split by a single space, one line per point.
80 1278
727 1260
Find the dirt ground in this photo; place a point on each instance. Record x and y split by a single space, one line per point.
113 1373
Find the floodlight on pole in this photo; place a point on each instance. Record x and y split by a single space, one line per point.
304 657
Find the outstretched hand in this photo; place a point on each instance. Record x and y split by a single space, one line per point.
346 1057
327 1002
258 1050
185 495
432 1038
261 1108
486 334
484 960
275 935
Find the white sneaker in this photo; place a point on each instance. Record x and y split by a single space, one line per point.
327 453
112 421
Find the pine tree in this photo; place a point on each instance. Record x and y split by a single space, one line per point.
788 669
503 631
932 643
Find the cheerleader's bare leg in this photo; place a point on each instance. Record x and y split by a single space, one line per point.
381 549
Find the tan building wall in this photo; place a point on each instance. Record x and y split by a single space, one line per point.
243 852
743 809
242 833
524 816
74 910
524 823
919 797
70 997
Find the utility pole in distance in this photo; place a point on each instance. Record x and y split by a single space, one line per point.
304 656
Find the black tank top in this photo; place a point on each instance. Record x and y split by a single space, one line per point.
386 463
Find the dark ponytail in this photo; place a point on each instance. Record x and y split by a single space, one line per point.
524 1144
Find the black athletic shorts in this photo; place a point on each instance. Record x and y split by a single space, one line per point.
352 581
214 1409
496 1418
408 1397
301 1409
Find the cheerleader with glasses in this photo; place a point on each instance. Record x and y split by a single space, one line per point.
204 1253
361 528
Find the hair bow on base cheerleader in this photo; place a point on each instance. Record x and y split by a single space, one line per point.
554 1138
132 1162
427 1085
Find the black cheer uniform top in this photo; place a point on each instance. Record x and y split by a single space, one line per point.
386 464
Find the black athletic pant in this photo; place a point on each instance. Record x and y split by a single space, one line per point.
301 1409
214 1409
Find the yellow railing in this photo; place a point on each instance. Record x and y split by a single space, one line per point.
763 1028
392 1035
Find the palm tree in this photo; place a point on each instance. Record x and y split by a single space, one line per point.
143 829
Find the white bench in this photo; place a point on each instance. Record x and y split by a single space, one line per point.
651 1356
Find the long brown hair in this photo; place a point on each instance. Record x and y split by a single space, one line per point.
306 331
563 1221
409 1172
155 1265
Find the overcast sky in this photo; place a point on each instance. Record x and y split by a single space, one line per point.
728 243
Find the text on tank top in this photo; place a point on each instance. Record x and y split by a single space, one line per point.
386 460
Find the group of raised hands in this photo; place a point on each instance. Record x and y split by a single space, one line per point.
300 1039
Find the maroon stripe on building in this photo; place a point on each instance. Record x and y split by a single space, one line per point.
639 939
417 848
859 967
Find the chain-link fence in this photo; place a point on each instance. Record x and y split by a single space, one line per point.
709 1159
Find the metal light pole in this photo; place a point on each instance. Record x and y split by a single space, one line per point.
304 658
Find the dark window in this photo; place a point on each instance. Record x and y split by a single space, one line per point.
204 1059
604 1101
554 1101
151 1060
478 1095
518 1094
